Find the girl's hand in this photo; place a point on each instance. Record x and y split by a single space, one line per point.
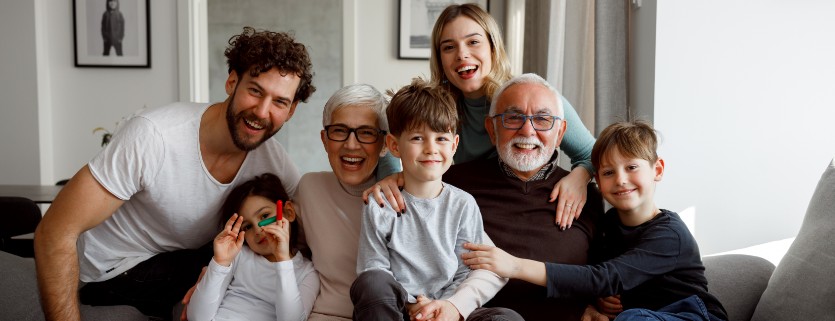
390 187
228 242
491 258
571 191
278 236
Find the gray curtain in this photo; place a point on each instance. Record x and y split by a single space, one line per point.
611 85
581 47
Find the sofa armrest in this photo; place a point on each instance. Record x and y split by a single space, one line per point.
738 281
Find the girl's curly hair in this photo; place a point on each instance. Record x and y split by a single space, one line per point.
260 51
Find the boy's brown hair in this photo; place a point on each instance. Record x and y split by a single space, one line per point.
419 104
635 139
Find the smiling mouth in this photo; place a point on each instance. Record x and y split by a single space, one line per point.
621 193
525 146
253 124
352 160
467 70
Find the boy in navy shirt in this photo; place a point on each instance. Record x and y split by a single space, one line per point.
649 256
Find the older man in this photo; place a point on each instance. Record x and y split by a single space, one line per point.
525 123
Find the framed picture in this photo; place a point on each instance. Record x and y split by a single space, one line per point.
112 33
417 17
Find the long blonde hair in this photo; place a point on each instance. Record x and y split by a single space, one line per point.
500 71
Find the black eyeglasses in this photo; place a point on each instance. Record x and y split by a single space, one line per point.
365 135
516 121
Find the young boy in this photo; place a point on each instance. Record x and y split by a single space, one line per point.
651 259
410 258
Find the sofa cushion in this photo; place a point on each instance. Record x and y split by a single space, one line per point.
738 281
803 284
20 301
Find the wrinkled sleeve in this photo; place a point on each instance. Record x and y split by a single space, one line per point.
578 141
477 286
294 299
655 255
376 229
210 291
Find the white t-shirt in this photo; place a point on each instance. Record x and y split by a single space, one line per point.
172 202
253 288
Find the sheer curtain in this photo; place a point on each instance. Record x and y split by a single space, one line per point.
581 48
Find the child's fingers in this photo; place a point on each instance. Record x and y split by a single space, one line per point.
237 227
240 241
230 222
477 247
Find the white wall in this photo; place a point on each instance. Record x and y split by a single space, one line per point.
376 48
86 98
72 101
51 107
19 136
744 97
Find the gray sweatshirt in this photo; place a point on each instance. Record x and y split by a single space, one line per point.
422 248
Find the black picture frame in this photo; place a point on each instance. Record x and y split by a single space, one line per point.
128 30
416 19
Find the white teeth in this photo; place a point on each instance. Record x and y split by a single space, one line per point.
352 159
525 146
465 68
253 124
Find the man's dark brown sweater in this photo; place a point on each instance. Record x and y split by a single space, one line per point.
520 220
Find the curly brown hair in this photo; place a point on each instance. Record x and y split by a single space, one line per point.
260 51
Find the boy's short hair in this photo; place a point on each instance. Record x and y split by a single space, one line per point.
419 104
636 139
258 51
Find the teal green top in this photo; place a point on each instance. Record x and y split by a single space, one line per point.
474 143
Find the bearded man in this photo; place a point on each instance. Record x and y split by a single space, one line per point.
130 224
526 125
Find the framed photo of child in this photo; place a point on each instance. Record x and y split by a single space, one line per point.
417 17
112 33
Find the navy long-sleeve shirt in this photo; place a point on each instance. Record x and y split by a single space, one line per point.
651 265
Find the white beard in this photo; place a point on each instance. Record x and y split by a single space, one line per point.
522 162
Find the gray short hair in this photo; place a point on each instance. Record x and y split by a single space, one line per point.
357 95
529 78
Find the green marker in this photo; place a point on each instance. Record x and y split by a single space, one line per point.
267 221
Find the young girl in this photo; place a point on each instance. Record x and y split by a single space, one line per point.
266 280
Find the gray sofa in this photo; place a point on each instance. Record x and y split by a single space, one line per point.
19 295
802 287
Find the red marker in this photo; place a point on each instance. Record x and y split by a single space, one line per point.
279 214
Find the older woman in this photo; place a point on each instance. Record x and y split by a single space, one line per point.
330 207
330 203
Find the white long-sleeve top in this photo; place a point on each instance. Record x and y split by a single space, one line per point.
253 288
